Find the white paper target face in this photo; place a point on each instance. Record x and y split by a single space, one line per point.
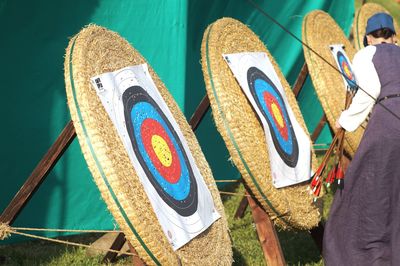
344 65
158 151
288 145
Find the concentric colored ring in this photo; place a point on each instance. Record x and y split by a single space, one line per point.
346 69
269 100
159 151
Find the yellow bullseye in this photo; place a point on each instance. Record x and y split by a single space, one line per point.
277 114
162 150
347 71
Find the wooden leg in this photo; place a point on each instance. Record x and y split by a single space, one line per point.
241 208
135 259
116 245
267 235
301 78
319 128
198 115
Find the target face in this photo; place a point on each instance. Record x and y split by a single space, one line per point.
346 69
159 151
269 100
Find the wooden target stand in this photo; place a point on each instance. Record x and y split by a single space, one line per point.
264 226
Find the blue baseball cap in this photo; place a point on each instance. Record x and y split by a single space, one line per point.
377 22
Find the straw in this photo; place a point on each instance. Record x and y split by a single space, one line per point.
96 50
290 207
320 31
360 22
4 231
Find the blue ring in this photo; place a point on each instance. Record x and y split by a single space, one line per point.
341 58
261 86
258 84
140 112
182 196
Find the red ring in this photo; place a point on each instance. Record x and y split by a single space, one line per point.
269 100
148 129
344 64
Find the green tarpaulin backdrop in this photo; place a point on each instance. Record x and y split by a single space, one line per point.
34 35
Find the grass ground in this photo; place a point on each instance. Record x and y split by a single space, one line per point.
298 247
39 252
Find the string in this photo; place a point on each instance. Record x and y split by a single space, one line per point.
227 180
235 194
317 54
70 243
64 230
6 231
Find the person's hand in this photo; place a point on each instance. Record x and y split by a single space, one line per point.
337 125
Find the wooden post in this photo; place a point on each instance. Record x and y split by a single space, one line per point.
242 208
39 174
318 128
267 235
301 79
135 259
117 244
198 115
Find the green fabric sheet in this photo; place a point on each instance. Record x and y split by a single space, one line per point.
34 35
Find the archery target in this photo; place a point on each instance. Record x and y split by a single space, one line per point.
344 65
158 152
346 69
269 100
288 145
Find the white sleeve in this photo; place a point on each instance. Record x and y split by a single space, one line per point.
368 81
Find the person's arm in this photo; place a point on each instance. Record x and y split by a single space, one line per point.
368 80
